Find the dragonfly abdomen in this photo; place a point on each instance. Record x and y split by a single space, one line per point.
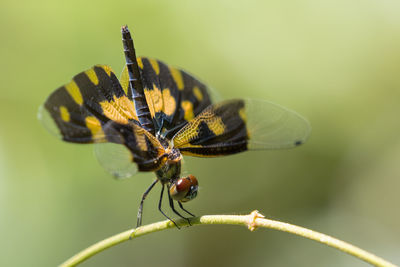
135 82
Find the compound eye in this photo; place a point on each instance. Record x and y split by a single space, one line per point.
184 189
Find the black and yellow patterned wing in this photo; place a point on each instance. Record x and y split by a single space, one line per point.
81 107
173 96
234 126
94 108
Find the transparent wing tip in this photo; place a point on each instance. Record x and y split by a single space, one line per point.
271 126
306 133
47 121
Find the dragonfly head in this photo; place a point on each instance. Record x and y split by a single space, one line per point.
184 188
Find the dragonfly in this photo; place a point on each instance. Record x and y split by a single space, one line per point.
154 114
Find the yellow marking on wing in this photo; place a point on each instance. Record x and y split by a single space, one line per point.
124 80
197 93
187 106
75 93
94 125
92 76
107 69
154 100
216 125
64 114
177 76
160 101
148 95
126 106
242 114
169 102
139 62
140 140
188 134
155 66
191 130
120 110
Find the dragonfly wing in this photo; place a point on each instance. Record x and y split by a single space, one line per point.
237 125
78 110
95 108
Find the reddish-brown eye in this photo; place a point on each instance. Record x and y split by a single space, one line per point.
183 185
193 180
184 189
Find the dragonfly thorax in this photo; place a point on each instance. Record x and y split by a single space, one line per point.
171 170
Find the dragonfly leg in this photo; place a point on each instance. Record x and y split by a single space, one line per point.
159 208
171 204
181 206
140 211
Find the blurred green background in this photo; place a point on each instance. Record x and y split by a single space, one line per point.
335 62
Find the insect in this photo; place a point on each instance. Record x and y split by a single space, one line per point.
154 114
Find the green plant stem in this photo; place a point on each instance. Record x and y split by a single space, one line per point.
252 221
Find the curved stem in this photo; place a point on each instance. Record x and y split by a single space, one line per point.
252 221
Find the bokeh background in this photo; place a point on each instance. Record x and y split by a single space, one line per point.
335 62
